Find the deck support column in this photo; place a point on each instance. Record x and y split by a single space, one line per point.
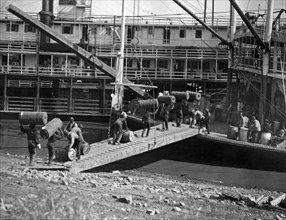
273 92
104 95
38 93
70 107
5 98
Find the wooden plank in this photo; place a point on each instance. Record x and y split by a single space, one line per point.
103 153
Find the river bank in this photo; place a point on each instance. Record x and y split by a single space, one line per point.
129 194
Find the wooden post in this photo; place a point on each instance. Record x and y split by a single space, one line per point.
38 93
70 96
5 101
37 107
266 58
104 95
230 56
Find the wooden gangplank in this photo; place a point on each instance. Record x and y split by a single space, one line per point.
82 53
104 152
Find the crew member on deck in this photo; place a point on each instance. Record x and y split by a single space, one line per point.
254 130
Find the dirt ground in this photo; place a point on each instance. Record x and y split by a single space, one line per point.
33 194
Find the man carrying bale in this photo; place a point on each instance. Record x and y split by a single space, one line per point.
51 144
33 141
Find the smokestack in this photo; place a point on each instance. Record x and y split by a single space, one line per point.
46 16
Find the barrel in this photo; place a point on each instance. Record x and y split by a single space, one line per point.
128 136
167 99
148 104
180 95
85 148
37 118
50 128
72 154
232 132
265 137
194 95
243 134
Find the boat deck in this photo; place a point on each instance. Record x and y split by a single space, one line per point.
222 138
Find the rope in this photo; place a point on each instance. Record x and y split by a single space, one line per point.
282 69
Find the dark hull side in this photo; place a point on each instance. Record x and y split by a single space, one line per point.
200 151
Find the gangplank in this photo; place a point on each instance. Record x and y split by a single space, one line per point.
103 152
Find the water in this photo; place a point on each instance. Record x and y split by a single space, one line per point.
163 160
13 141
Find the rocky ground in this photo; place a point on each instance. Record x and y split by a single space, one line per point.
32 194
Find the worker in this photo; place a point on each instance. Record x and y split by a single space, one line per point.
179 114
254 130
164 115
118 128
146 121
243 121
33 141
267 127
70 125
198 117
206 119
51 144
75 138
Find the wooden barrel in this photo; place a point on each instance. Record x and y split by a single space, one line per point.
50 128
194 95
167 99
243 134
232 132
84 148
128 136
37 118
148 104
265 137
72 154
180 95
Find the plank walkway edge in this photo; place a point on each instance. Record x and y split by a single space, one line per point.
222 139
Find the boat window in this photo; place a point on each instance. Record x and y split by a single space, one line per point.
166 35
67 29
150 30
182 33
13 27
30 28
198 34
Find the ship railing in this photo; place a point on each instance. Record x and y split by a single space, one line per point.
21 46
56 105
16 36
21 103
165 74
53 71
